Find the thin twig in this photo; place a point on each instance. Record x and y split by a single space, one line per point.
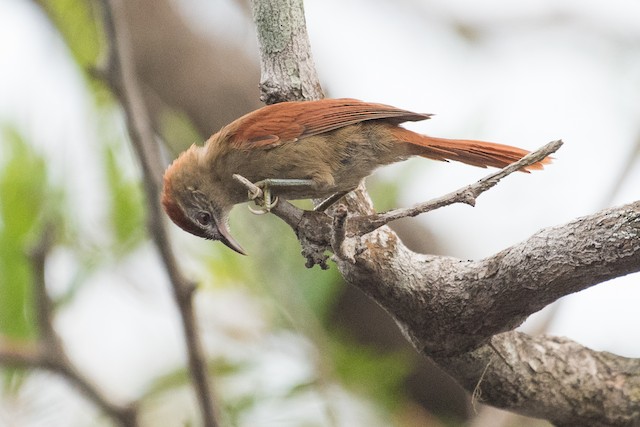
467 194
121 76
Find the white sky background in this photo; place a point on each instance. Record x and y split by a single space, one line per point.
524 83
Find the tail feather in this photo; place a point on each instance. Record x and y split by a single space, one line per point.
475 153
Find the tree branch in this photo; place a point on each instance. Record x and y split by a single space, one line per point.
121 77
284 50
448 305
552 378
450 309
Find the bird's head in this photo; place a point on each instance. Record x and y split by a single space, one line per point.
194 202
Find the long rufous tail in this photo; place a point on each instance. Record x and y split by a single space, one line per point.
476 153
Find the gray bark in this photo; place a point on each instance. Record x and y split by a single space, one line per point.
284 51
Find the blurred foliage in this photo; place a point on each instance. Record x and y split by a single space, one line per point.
23 191
78 24
178 131
304 299
385 193
27 201
276 268
180 377
126 204
75 20
371 371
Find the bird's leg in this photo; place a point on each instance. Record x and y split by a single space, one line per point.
269 184
330 201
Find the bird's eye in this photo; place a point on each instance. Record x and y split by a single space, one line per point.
203 218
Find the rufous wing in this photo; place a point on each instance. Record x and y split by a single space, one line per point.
277 124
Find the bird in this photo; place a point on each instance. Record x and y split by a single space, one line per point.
318 149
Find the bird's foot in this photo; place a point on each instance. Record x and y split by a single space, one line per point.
262 197
260 192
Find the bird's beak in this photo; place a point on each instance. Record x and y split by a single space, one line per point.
228 240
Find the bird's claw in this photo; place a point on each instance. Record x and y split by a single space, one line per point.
266 202
254 193
264 206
